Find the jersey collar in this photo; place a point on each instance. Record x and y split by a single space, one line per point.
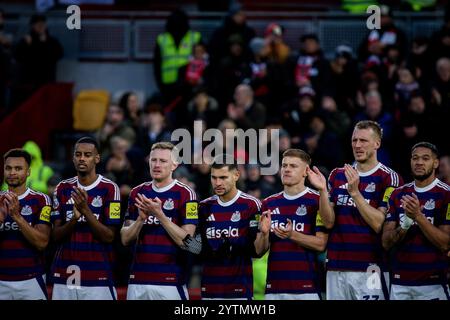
428 187
298 195
92 185
23 195
163 189
229 203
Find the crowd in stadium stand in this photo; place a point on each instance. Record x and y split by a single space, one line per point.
236 79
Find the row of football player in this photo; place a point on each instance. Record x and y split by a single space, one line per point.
364 207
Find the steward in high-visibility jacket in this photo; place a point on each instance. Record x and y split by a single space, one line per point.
172 57
357 6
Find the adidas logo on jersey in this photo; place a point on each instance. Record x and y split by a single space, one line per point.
213 233
26 211
430 204
211 218
370 187
344 186
276 211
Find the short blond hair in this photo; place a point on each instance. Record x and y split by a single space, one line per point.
369 124
163 146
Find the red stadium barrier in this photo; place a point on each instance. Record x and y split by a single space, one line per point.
48 109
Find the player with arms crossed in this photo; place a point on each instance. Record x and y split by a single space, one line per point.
297 230
359 195
417 227
162 214
85 218
24 232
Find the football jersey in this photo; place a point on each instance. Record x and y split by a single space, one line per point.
158 260
415 260
292 268
82 251
230 277
353 245
19 259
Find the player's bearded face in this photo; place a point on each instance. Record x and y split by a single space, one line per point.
364 144
223 180
85 158
423 163
15 172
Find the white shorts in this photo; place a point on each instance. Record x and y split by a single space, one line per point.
31 289
433 292
64 292
290 296
349 285
156 292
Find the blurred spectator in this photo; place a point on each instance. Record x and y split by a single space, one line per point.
183 175
440 40
297 114
284 141
132 107
198 62
374 111
369 82
444 169
311 69
233 69
406 136
423 118
203 107
337 121
404 88
37 54
154 129
373 48
441 84
235 24
421 60
279 51
117 166
171 55
322 144
265 78
245 111
280 75
343 77
115 125
202 179
255 185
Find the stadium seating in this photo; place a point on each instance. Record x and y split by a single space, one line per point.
89 109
